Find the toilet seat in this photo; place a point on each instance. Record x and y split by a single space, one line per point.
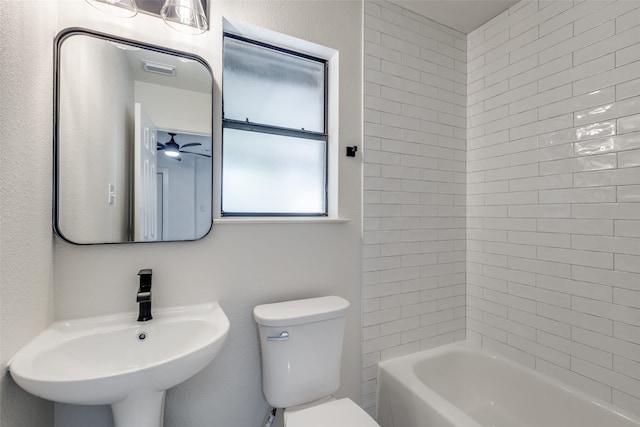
336 413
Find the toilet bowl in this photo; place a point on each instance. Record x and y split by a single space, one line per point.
301 343
335 413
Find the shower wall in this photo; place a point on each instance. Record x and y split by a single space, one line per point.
414 186
553 192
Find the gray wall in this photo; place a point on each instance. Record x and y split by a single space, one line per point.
85 214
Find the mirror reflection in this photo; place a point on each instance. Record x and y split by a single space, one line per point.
133 142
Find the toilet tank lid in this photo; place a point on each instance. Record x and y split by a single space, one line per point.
297 312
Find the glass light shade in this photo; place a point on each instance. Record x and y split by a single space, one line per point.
120 8
186 16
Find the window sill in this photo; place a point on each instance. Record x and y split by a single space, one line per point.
280 220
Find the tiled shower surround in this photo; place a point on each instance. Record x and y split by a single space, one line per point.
552 145
553 192
414 186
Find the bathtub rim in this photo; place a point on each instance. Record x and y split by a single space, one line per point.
402 367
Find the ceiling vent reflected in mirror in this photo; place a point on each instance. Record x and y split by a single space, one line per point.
185 16
156 67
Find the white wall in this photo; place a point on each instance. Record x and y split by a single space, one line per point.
553 238
203 195
190 111
414 186
26 256
94 156
238 264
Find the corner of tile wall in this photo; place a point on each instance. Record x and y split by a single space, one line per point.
415 109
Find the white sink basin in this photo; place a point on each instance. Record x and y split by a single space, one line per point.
118 361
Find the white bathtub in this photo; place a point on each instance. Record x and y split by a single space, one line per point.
459 385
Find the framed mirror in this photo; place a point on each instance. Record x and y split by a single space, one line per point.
132 141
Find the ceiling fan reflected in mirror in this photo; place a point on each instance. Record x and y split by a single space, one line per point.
173 149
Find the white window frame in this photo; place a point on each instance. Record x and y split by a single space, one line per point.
331 56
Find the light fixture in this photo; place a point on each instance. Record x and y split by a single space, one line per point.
172 152
120 8
186 16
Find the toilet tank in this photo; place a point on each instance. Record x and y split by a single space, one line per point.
301 344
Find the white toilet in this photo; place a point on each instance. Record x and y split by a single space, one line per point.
301 345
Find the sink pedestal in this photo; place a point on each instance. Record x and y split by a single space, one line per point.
139 410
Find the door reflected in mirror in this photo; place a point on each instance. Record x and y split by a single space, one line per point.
133 145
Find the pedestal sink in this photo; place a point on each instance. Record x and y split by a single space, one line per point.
115 360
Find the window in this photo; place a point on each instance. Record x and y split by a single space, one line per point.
274 140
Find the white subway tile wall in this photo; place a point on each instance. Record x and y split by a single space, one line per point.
553 194
415 109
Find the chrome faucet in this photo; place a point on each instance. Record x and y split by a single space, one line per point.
144 295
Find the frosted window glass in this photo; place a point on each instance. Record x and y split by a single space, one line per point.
265 173
270 87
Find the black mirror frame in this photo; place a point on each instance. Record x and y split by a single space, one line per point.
59 39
